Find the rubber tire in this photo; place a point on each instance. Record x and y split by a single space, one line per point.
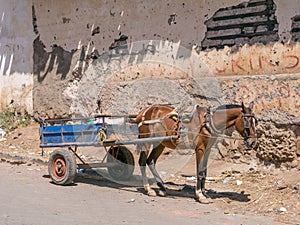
66 159
124 157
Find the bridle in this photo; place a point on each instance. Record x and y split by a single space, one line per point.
247 124
209 124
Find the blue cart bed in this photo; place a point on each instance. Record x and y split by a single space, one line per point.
82 132
100 131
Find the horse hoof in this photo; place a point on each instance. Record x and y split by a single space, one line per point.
151 193
200 197
149 190
204 201
162 193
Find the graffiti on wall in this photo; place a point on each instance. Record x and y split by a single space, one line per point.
273 97
259 63
255 60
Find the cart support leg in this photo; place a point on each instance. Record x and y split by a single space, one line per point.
77 156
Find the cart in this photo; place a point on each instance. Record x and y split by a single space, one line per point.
67 135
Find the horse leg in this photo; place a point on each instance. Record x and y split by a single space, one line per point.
142 164
151 162
202 171
201 176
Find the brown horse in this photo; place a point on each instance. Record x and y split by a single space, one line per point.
203 127
156 121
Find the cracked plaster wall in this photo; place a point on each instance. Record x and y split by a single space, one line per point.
16 36
47 46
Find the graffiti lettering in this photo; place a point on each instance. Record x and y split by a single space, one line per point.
297 104
262 59
294 64
220 71
250 63
285 91
271 97
235 64
258 64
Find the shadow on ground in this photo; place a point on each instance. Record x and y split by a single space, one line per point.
135 185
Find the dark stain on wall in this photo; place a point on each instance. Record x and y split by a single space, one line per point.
45 62
295 32
247 23
34 21
96 31
66 20
172 19
119 42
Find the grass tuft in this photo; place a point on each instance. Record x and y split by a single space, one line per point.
11 118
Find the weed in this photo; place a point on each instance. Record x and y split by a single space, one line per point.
11 119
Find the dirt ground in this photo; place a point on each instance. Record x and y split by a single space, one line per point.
235 188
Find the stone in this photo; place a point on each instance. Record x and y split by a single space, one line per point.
298 147
222 150
237 155
244 160
295 163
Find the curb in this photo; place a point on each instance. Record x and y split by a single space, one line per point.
18 160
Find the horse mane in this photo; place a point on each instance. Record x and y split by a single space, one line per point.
229 106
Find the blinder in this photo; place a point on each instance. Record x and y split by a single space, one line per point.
247 124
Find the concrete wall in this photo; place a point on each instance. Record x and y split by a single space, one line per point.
16 36
233 38
56 39
50 51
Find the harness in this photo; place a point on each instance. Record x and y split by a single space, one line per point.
188 114
172 115
247 124
209 124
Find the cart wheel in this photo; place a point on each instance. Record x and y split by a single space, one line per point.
62 166
125 163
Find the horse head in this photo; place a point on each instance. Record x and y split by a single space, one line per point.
246 126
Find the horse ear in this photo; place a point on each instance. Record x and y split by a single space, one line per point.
251 105
243 107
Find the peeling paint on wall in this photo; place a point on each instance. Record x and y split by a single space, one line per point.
295 31
247 23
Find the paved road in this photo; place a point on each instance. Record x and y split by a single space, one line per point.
27 197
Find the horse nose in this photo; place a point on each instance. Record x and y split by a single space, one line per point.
252 144
255 145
